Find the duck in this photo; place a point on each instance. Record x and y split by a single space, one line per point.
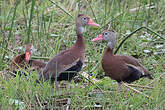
121 68
66 64
24 61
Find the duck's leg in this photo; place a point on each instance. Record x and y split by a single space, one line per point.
118 92
119 88
127 92
57 85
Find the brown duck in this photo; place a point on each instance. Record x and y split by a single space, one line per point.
66 64
23 61
120 67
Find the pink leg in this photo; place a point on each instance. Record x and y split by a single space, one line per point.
57 85
127 92
119 88
118 92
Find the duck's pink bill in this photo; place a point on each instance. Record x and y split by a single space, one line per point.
100 37
90 22
27 56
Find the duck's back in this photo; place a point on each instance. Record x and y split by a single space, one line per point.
123 68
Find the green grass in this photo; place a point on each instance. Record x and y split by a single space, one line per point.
50 26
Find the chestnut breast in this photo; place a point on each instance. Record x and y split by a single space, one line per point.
18 61
114 66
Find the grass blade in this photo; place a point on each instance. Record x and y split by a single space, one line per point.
61 8
11 27
31 17
128 36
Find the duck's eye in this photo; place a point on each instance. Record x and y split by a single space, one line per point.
84 19
105 33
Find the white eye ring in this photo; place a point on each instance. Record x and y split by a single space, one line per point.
84 19
105 33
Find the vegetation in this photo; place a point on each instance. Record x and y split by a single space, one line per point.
50 26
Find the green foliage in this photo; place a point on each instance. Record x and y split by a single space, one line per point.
50 26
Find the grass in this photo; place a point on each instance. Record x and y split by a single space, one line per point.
50 26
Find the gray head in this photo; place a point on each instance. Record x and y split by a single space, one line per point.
83 20
109 36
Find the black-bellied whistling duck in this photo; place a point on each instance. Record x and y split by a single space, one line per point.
120 67
66 64
23 61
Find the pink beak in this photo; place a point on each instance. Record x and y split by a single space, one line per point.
27 56
100 37
92 23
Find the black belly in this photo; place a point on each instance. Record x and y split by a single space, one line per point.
133 76
70 73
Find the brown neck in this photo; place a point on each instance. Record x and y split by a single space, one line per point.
80 42
110 51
